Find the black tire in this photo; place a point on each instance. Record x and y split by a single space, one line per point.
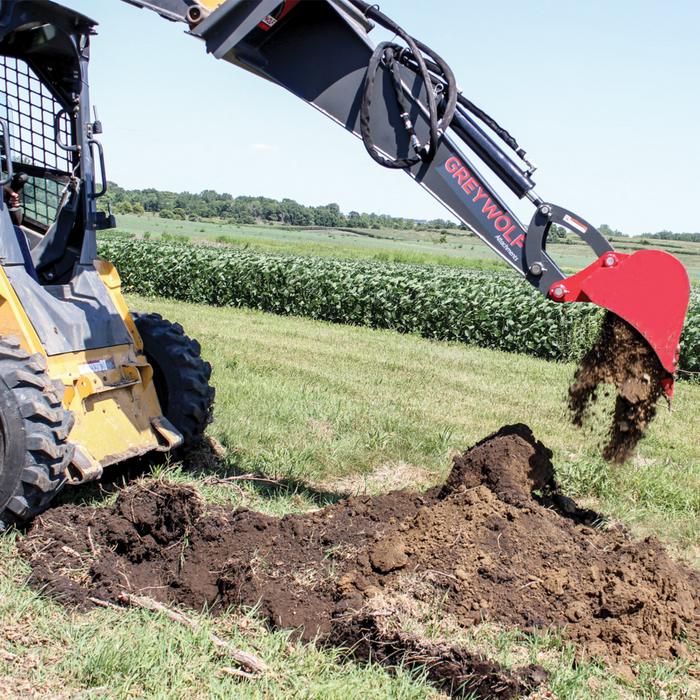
180 375
34 429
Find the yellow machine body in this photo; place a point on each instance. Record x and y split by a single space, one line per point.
110 390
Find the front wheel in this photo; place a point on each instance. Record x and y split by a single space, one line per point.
180 375
34 429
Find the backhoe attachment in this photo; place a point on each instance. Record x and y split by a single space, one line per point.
402 100
649 289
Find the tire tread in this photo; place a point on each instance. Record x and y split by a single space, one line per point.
46 426
192 409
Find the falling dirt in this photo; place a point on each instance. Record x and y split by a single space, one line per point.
483 540
624 358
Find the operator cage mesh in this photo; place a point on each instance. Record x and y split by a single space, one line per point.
30 109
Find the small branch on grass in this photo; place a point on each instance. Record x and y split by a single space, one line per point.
214 480
92 544
105 604
241 493
244 658
235 672
124 576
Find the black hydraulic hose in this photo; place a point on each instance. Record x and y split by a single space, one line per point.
385 51
491 123
413 62
388 53
503 134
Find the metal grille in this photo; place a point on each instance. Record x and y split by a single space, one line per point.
30 109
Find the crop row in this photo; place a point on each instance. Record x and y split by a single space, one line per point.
485 308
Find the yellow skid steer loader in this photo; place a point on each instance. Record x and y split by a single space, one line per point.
84 383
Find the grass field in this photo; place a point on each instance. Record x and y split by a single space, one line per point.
393 246
332 410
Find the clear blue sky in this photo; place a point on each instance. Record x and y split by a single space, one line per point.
602 94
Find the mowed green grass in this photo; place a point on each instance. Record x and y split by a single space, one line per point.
332 409
390 245
334 405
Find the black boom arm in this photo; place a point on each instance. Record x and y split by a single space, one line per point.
403 102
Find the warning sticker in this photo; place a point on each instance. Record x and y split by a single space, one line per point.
576 224
96 366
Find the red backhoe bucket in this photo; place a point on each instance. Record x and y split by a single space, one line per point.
649 289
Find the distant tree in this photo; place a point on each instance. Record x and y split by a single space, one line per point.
148 199
123 207
209 196
438 224
608 232
271 211
241 212
556 232
295 214
329 215
670 236
138 209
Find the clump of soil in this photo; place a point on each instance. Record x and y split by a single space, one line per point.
510 463
489 545
624 358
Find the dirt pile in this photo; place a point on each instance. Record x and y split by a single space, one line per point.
621 357
483 540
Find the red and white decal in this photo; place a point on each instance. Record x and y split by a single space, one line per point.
280 11
576 224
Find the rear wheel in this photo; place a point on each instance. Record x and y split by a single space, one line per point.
180 375
34 429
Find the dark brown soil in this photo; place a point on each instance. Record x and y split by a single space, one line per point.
624 358
494 550
449 667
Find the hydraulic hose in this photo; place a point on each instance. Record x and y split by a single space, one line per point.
435 72
390 54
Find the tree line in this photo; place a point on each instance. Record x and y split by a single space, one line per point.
664 235
210 204
670 236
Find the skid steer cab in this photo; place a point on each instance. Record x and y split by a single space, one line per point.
84 382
